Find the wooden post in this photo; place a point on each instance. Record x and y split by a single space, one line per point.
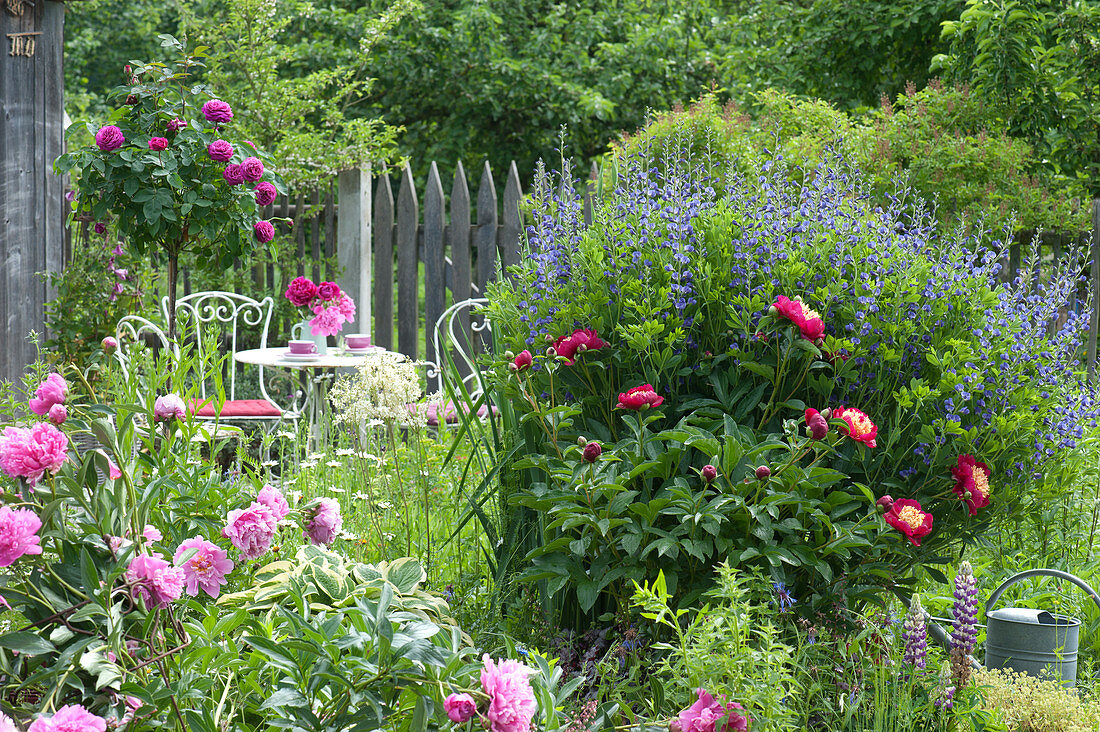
486 229
32 210
1094 317
353 248
512 225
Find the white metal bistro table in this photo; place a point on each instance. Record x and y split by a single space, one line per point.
314 403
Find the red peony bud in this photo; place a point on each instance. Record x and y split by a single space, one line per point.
709 473
763 472
884 503
592 452
523 361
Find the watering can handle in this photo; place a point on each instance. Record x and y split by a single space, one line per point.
1036 573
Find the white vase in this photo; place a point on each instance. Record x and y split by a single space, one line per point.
301 332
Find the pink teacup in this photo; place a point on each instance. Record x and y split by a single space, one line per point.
357 341
302 348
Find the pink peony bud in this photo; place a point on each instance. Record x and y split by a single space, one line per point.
592 452
763 472
109 343
884 503
522 362
459 707
58 414
709 473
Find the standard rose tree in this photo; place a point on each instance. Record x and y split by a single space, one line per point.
169 174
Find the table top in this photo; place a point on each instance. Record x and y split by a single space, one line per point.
335 358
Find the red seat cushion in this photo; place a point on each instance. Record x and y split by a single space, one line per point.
450 413
236 408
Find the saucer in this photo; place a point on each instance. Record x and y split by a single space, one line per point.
360 351
300 356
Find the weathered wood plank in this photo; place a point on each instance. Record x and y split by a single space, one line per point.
486 234
319 270
512 226
461 284
434 284
408 267
383 263
353 250
330 219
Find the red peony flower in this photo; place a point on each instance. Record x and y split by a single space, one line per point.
522 361
809 321
972 483
860 426
819 426
301 291
328 291
578 342
640 397
910 519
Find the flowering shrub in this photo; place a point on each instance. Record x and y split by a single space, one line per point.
780 307
163 171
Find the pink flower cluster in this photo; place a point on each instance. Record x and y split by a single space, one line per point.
18 534
706 712
71 718
511 699
330 305
50 393
323 521
154 581
34 452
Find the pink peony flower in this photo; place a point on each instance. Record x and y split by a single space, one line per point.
250 530
910 519
328 291
252 168
176 125
511 699
54 390
522 361
71 718
301 291
233 175
112 470
220 150
18 534
58 414
323 520
578 342
809 322
704 714
158 143
972 483
6 724
459 707
345 306
265 194
109 343
31 453
217 111
156 582
206 568
263 231
860 427
109 138
640 397
151 533
327 322
169 407
273 498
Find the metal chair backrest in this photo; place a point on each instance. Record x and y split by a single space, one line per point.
132 330
229 313
463 330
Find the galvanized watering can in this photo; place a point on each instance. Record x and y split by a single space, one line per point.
1030 640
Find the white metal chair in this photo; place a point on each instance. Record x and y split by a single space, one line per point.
459 334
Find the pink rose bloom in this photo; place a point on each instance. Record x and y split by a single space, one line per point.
263 231
233 174
301 291
158 143
31 453
58 414
109 138
511 700
154 580
217 111
176 125
273 498
112 470
459 707
253 169
328 291
220 150
250 530
168 407
207 567
54 390
151 533
109 343
265 194
71 718
703 715
18 534
323 521
327 322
